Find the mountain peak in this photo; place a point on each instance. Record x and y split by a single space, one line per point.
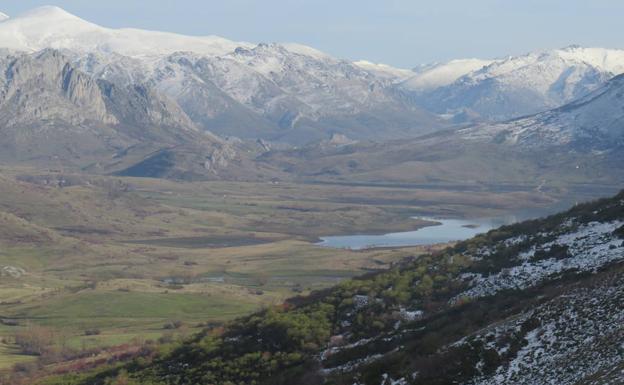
53 27
48 12
572 47
3 17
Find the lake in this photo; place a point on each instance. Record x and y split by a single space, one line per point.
447 230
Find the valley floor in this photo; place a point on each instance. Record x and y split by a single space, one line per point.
93 261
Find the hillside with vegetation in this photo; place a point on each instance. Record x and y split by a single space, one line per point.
519 304
91 263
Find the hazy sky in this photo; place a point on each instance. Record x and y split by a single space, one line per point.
398 32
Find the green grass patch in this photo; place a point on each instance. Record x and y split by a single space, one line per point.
10 355
125 309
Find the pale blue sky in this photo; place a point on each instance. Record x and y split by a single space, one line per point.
398 32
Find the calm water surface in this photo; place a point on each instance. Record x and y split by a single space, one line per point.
446 231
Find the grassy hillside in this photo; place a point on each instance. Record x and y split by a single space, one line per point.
473 313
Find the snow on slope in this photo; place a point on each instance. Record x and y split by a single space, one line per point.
442 74
576 339
589 246
305 50
3 17
52 27
384 71
304 77
272 79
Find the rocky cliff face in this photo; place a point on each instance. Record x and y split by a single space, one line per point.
52 113
46 87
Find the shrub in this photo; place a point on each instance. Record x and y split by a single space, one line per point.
173 325
35 340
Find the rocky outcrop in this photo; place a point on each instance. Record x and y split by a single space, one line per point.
219 158
45 87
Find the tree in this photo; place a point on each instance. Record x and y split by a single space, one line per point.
425 286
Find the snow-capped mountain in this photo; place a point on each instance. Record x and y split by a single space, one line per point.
3 16
275 91
521 85
286 92
594 122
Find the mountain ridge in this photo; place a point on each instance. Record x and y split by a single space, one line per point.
526 84
593 122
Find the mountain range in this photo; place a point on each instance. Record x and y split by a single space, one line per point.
146 103
284 92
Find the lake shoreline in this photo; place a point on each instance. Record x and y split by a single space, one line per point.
441 231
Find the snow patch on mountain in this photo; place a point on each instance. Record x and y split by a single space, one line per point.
305 50
3 17
588 247
436 75
576 339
